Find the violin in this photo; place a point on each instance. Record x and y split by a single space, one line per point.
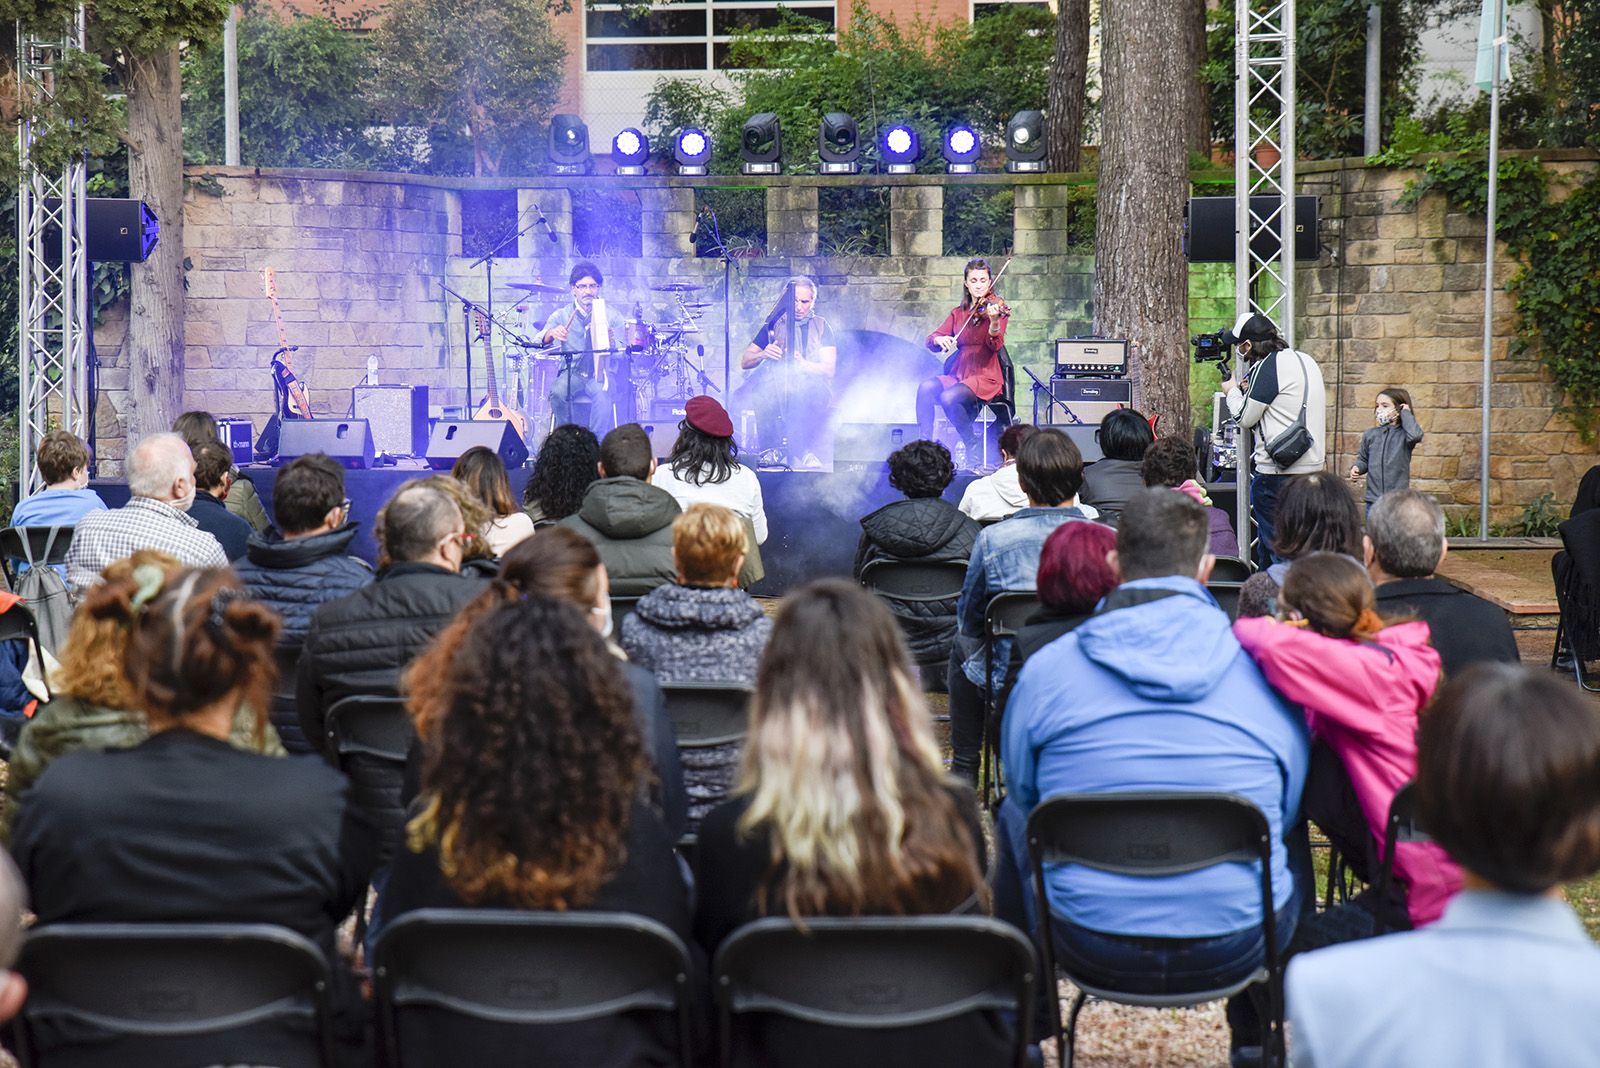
992 300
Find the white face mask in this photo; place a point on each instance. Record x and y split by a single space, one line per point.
1383 416
182 504
604 612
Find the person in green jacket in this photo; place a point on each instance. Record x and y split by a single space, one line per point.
91 697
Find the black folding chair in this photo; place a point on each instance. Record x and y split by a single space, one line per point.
1402 826
916 582
210 987
1226 594
1004 615
368 738
1153 835
870 973
621 606
704 715
35 545
442 975
1578 625
1230 569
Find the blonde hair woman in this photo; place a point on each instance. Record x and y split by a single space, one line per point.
843 808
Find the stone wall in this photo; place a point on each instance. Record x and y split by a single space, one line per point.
1403 306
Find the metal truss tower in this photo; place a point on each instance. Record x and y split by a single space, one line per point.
53 268
1263 162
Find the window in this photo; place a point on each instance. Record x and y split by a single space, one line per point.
683 35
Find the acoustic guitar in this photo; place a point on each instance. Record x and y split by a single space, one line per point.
296 403
494 410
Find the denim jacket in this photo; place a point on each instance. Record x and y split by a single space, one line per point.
1006 557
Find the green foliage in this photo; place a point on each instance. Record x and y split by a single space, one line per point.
853 221
607 222
477 77
135 27
740 217
301 101
877 71
978 220
78 118
1540 519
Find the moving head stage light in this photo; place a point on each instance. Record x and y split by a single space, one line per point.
961 149
1025 142
569 145
839 144
761 145
692 151
901 148
630 150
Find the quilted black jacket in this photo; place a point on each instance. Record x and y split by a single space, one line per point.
928 529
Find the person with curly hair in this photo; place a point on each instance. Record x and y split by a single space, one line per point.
186 828
92 705
1170 462
558 563
567 462
532 800
843 808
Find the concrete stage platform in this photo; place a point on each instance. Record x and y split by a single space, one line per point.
813 518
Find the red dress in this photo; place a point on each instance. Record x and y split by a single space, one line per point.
977 363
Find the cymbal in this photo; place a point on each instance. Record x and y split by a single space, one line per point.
675 287
536 287
698 307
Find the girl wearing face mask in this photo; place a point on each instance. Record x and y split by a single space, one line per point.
1385 452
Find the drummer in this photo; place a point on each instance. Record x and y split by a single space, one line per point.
580 393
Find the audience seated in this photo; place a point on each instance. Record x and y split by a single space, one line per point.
1169 462
1508 782
13 913
304 569
1108 482
532 800
1362 684
360 643
998 494
561 474
92 705
213 474
1075 572
560 564
704 466
702 628
628 520
477 558
482 471
843 809
1316 513
63 461
926 528
161 481
1404 546
184 827
1152 692
243 501
1006 557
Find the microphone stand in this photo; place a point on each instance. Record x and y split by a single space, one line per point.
486 261
1039 387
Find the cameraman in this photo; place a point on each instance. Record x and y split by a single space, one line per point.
1282 399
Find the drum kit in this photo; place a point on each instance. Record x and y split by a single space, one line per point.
652 354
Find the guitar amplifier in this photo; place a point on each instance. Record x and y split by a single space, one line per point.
1088 400
398 414
238 435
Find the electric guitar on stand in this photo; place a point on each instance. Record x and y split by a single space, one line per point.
294 405
494 409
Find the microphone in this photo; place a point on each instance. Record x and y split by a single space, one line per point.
548 229
700 351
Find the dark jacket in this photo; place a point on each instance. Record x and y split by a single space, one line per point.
630 523
184 828
1465 628
360 644
691 634
213 517
928 530
1108 484
294 579
645 882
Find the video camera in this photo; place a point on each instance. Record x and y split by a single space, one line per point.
1213 348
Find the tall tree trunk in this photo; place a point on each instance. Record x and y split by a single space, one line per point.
1199 111
1141 280
155 175
1069 70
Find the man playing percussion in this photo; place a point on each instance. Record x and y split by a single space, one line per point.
582 392
791 397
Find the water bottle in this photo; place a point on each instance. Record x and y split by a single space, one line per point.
372 369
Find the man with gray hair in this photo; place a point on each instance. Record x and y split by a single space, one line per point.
161 480
790 391
1403 547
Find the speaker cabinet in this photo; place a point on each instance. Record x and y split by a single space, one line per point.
348 441
237 435
1086 401
399 417
117 230
452 437
1211 238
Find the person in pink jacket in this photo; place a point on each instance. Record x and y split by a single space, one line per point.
1362 684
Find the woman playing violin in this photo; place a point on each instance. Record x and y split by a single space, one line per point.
971 336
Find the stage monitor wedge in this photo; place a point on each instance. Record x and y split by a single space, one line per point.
1210 236
346 441
452 437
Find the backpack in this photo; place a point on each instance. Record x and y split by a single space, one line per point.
45 591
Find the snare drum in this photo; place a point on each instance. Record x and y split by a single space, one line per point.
640 336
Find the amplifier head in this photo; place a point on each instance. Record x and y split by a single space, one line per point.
1091 355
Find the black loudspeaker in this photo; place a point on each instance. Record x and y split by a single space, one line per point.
117 229
452 437
1087 439
349 441
398 414
1210 237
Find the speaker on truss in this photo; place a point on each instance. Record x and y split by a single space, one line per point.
348 441
1210 231
452 437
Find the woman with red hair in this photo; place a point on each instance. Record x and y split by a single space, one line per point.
1074 573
